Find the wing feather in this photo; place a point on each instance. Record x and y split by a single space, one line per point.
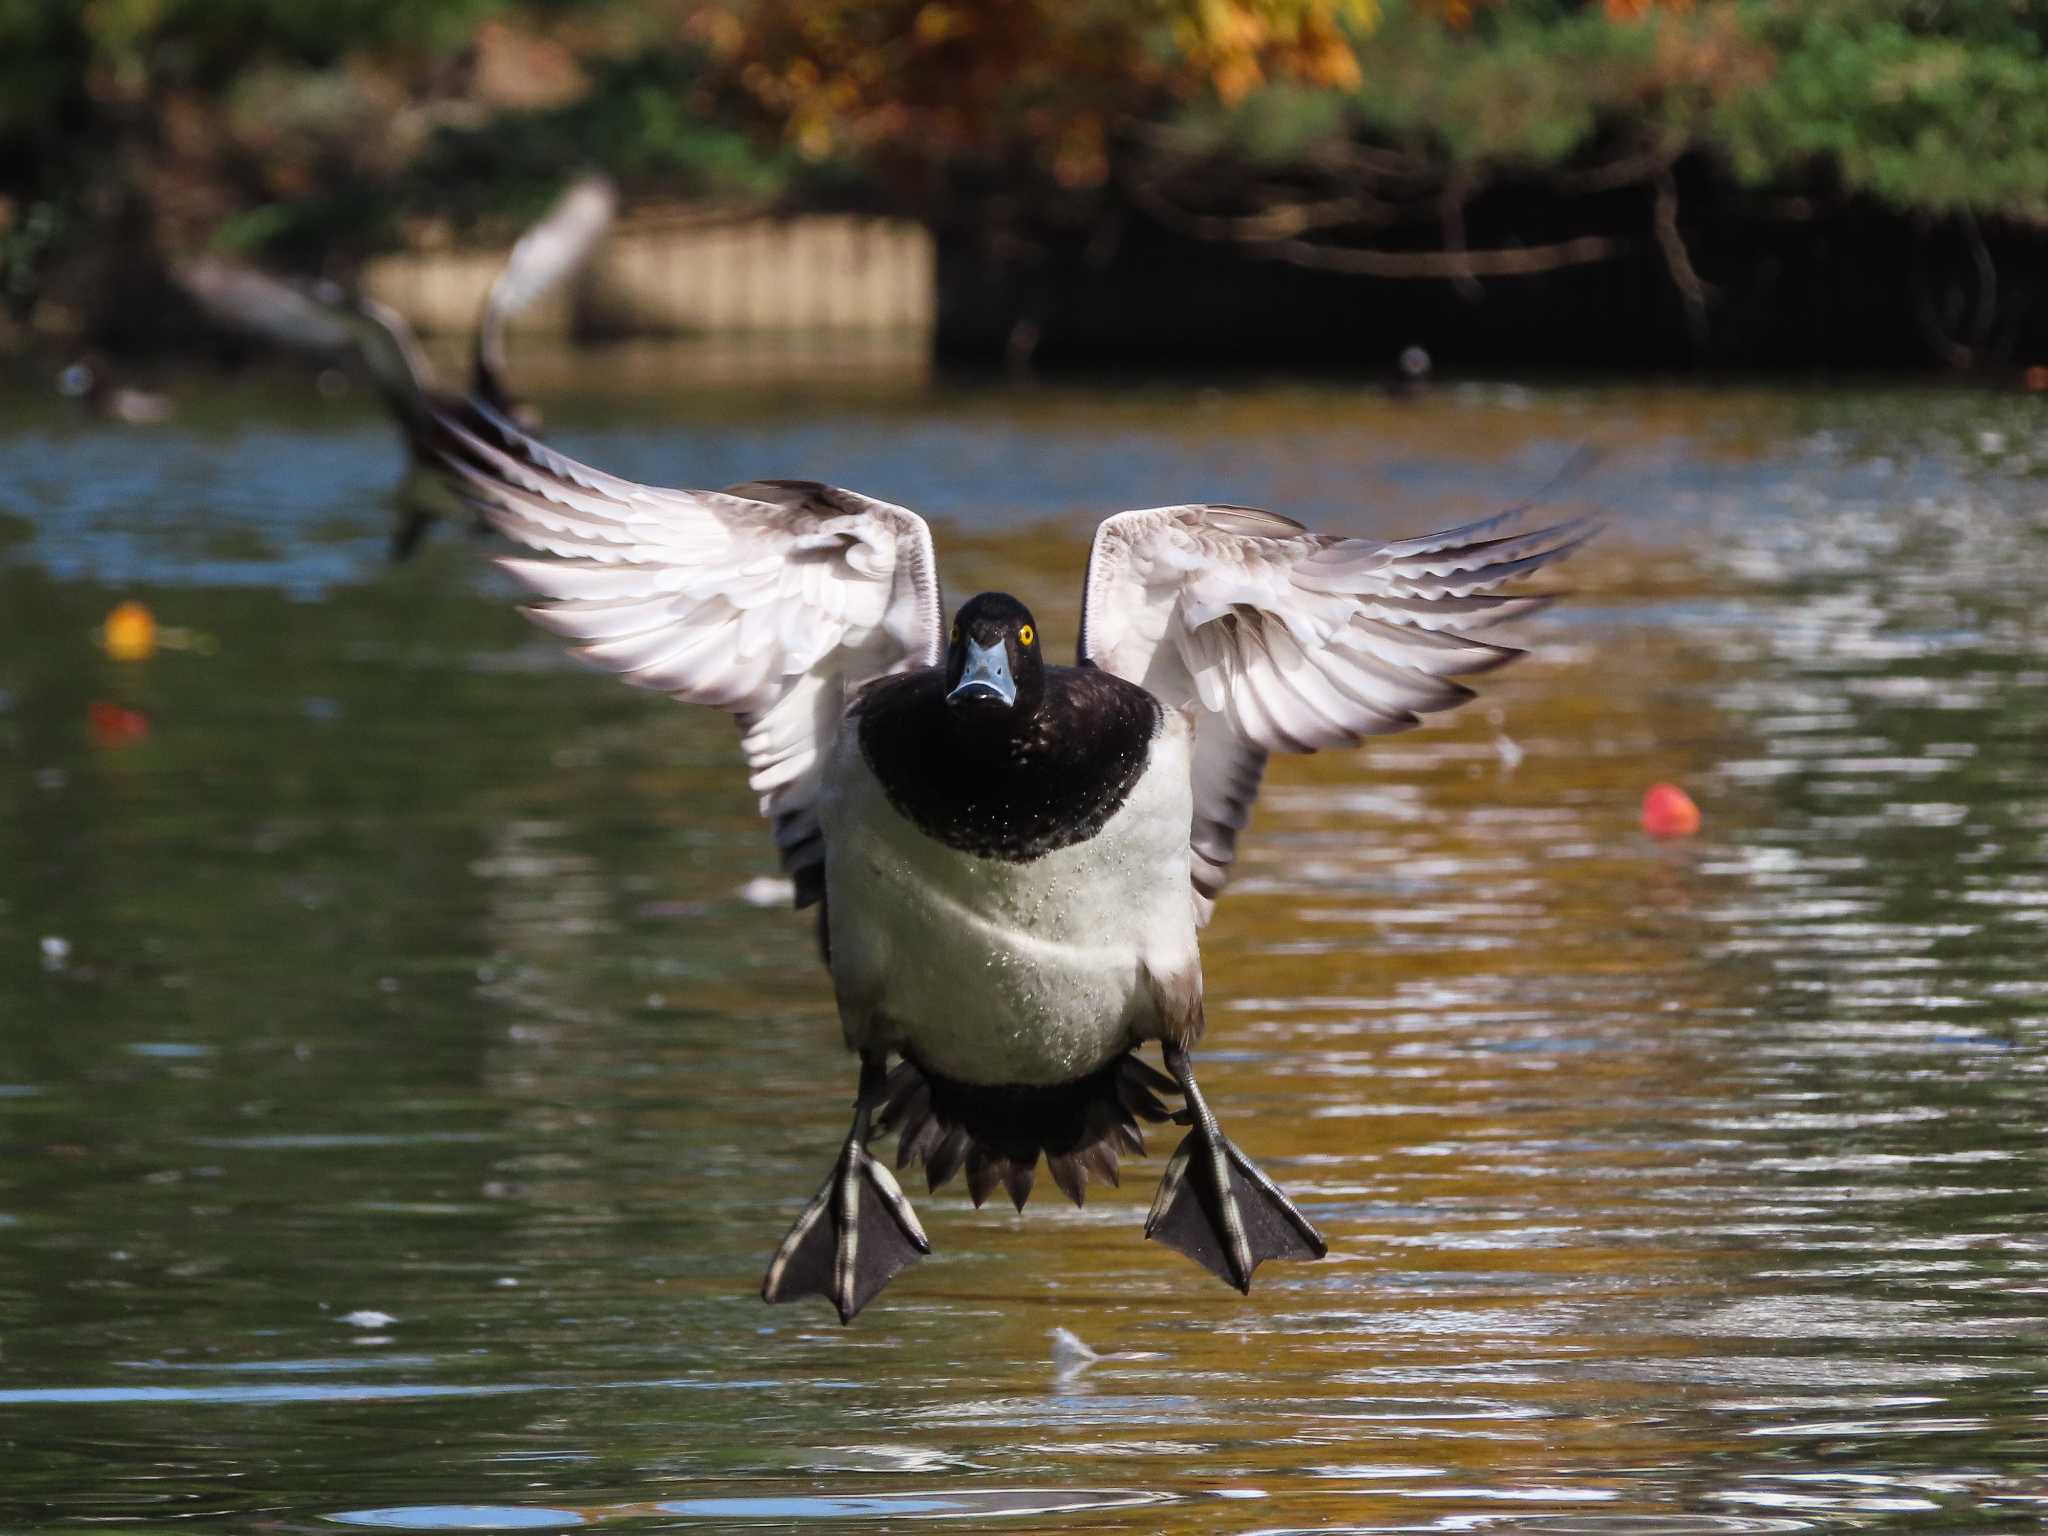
1278 639
553 249
547 255
318 320
774 601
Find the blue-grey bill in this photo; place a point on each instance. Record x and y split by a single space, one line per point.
987 671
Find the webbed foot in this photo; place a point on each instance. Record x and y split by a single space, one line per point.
1214 1204
857 1232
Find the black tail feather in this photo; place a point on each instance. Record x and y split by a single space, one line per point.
944 1160
1018 1179
1100 1160
999 1132
1069 1175
984 1169
912 1110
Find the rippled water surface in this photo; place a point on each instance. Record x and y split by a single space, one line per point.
402 1084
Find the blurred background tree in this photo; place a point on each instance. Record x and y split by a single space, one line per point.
1348 135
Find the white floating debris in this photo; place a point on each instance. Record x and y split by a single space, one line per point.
768 891
1505 747
366 1318
1069 1354
55 952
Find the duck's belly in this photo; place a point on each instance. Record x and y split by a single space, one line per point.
997 972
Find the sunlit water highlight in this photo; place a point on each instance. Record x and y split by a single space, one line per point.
396 1136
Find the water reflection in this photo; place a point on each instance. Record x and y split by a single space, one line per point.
785 1510
1685 1187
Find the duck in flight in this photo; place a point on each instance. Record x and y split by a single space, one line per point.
324 321
1012 859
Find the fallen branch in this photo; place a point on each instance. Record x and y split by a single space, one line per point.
1987 283
1452 212
1933 328
1626 171
1281 222
1677 260
1361 160
1507 261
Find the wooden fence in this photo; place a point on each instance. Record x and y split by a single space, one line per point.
697 276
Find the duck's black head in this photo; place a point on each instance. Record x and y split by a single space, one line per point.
995 669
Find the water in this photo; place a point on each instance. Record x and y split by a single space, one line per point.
394 1132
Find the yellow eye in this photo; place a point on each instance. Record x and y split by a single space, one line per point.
1025 635
954 639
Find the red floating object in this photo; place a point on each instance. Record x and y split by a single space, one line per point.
114 725
1668 811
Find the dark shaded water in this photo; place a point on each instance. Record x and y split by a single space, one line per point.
401 1088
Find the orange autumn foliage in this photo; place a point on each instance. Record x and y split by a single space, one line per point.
931 80
1460 13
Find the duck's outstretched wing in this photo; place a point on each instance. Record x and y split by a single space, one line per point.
273 309
773 601
546 255
1283 640
318 320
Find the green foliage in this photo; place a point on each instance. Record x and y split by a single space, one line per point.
1522 91
214 40
1531 85
43 56
311 131
24 248
653 120
1937 106
1270 128
303 132
1942 118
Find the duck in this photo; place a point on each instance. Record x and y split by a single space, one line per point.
90 381
1012 860
1412 369
325 320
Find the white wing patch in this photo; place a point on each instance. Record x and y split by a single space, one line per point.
774 601
1283 640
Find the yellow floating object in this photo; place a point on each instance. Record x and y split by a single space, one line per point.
129 633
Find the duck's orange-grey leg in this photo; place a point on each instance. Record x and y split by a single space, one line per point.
411 527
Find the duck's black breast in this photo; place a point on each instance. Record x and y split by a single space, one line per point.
1002 788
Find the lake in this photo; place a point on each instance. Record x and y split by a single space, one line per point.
406 1070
